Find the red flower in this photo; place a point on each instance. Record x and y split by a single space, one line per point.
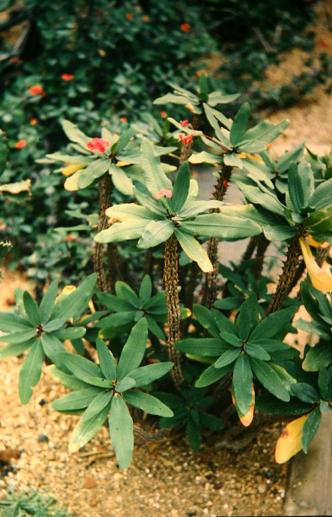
67 77
36 89
129 16
123 120
145 18
225 184
100 145
163 114
185 27
184 123
163 193
33 121
20 144
185 139
70 237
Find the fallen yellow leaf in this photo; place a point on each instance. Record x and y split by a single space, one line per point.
290 441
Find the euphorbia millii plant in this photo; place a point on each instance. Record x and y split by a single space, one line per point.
233 345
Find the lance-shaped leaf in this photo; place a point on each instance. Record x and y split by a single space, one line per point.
240 123
118 232
222 226
290 440
134 349
30 372
155 233
121 431
181 188
194 250
147 403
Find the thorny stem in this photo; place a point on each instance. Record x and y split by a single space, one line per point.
262 245
104 280
171 285
210 288
252 244
287 276
322 255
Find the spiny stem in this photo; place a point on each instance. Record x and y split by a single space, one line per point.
210 288
322 255
262 245
171 285
252 244
104 280
287 276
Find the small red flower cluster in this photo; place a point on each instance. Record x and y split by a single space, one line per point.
36 89
184 123
163 193
123 120
70 237
67 77
163 114
20 144
99 145
185 27
185 139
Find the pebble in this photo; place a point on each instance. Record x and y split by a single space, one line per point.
43 438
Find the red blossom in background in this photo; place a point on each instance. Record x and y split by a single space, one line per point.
36 89
185 139
67 77
129 16
20 144
163 114
100 145
185 27
184 123
33 121
70 237
163 193
123 120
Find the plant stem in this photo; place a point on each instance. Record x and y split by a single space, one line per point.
171 285
262 245
252 244
322 255
210 288
103 279
288 274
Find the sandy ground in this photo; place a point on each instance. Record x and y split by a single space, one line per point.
166 477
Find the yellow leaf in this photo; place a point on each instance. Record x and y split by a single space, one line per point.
315 244
70 169
320 277
71 183
290 441
16 188
251 156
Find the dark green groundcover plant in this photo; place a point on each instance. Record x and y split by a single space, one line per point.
207 338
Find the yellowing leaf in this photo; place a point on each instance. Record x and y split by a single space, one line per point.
290 441
72 183
70 169
16 188
251 156
315 244
249 416
320 277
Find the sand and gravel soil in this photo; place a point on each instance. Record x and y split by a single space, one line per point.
166 478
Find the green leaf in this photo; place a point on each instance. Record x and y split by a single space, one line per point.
106 360
301 184
248 317
318 357
147 403
145 290
206 318
121 431
19 337
155 233
70 333
52 346
257 352
127 294
127 383
194 250
269 378
262 134
155 178
279 232
121 180
273 324
227 357
31 308
222 226
150 373
79 399
67 379
126 231
54 324
240 123
206 347
16 348
82 368
47 303
134 349
73 305
10 322
211 375
325 383
30 372
114 303
310 428
242 384
305 392
74 134
117 320
321 197
181 188
93 171
231 338
92 420
172 99
123 141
